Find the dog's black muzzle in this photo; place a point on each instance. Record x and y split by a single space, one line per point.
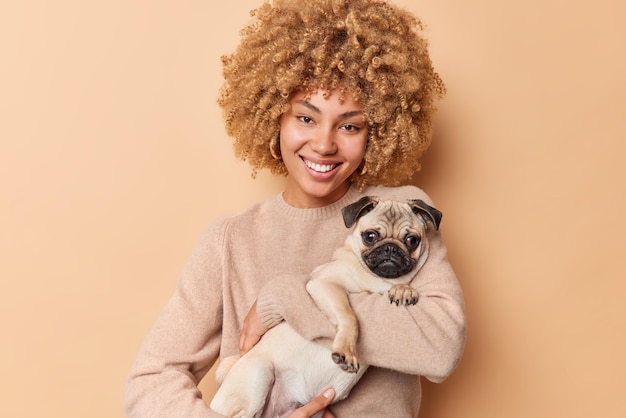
388 261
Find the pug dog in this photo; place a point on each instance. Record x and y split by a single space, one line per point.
284 371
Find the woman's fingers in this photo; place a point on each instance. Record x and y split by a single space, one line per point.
253 330
317 404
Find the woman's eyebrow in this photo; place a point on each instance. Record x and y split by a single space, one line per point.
309 106
315 109
351 113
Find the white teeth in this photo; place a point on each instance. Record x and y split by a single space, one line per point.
320 168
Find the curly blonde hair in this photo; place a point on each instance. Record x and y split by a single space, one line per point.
372 47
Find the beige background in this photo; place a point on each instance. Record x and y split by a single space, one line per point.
113 159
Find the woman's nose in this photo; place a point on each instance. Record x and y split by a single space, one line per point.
323 142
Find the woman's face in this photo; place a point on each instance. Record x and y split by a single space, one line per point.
322 142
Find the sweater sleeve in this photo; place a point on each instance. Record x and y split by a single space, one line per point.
184 342
286 299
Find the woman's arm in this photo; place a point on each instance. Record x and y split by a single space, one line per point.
184 342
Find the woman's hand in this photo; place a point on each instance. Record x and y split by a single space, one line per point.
253 330
317 404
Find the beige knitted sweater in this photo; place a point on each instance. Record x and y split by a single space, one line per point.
266 253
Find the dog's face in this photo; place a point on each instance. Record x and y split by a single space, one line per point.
391 235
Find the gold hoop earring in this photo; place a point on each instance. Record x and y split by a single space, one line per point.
275 147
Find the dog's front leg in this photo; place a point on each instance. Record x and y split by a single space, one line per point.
332 299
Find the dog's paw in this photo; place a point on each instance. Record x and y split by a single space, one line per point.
348 363
403 294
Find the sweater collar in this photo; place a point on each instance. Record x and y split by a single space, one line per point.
321 213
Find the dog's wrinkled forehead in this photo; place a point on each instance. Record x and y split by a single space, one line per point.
393 215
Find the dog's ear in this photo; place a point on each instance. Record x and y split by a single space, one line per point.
429 213
354 211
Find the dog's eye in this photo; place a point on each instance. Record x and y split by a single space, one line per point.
411 242
370 237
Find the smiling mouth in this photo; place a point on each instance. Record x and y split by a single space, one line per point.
320 168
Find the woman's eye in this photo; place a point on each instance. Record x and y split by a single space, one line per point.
305 119
350 128
370 237
412 242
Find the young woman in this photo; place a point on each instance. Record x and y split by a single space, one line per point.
338 97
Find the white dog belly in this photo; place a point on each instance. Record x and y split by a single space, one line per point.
305 368
293 369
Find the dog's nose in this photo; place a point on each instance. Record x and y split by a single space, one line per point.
388 261
391 250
